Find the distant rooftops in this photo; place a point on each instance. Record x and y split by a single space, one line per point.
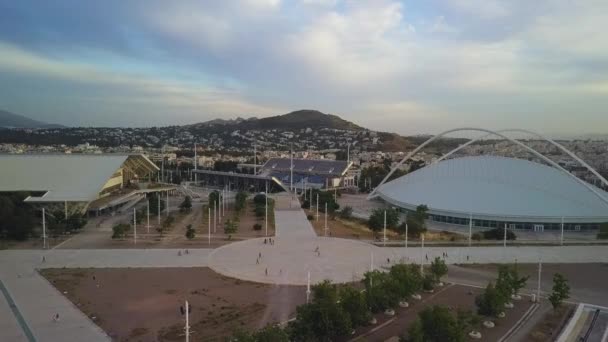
307 166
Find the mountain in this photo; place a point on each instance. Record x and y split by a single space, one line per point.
12 120
304 118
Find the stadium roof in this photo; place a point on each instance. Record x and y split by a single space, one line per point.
66 177
311 166
498 188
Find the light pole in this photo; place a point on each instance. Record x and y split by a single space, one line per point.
325 218
266 209
148 215
384 238
134 226
187 322
470 228
406 234
308 289
167 203
317 207
504 241
43 229
540 267
215 217
209 224
561 240
158 196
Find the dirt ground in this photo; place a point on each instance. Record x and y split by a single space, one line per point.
144 304
453 296
550 324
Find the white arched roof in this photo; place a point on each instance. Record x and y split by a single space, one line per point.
497 188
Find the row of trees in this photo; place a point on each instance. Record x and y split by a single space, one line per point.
415 221
325 197
335 310
509 282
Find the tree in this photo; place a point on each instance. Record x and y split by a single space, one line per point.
153 202
354 304
260 200
214 197
186 205
321 320
376 219
381 290
120 230
509 282
408 279
346 212
190 233
230 227
561 290
416 224
491 302
437 324
240 200
438 269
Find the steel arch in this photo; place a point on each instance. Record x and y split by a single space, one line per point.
500 134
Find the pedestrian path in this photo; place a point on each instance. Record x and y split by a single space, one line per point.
12 325
293 224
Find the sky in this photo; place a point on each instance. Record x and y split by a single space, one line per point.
409 67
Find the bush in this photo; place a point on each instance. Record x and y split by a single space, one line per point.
498 234
190 233
310 217
428 282
120 230
186 205
240 200
306 204
260 200
257 226
476 236
603 233
346 212
260 211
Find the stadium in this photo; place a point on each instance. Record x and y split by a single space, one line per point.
492 191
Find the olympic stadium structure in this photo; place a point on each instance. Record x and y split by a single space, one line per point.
491 191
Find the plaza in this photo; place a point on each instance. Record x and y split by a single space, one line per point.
296 250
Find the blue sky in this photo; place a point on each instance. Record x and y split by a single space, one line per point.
402 66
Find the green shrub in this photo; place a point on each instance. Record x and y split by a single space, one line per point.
257 226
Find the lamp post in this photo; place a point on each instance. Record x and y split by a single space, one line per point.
266 209
209 224
384 238
325 218
43 229
148 215
134 226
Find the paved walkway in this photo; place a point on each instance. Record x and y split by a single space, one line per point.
294 254
38 301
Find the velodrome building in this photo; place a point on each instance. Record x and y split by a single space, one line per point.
80 182
494 191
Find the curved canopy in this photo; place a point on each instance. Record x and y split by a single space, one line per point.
493 187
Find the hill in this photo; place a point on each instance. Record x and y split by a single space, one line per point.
302 119
12 120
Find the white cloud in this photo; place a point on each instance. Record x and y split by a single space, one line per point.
485 9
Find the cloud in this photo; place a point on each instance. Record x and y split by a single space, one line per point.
432 63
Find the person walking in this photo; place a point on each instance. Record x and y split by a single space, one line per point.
266 271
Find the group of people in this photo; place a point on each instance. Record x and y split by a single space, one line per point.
179 253
269 241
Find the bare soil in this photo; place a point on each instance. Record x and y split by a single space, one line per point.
547 329
144 304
